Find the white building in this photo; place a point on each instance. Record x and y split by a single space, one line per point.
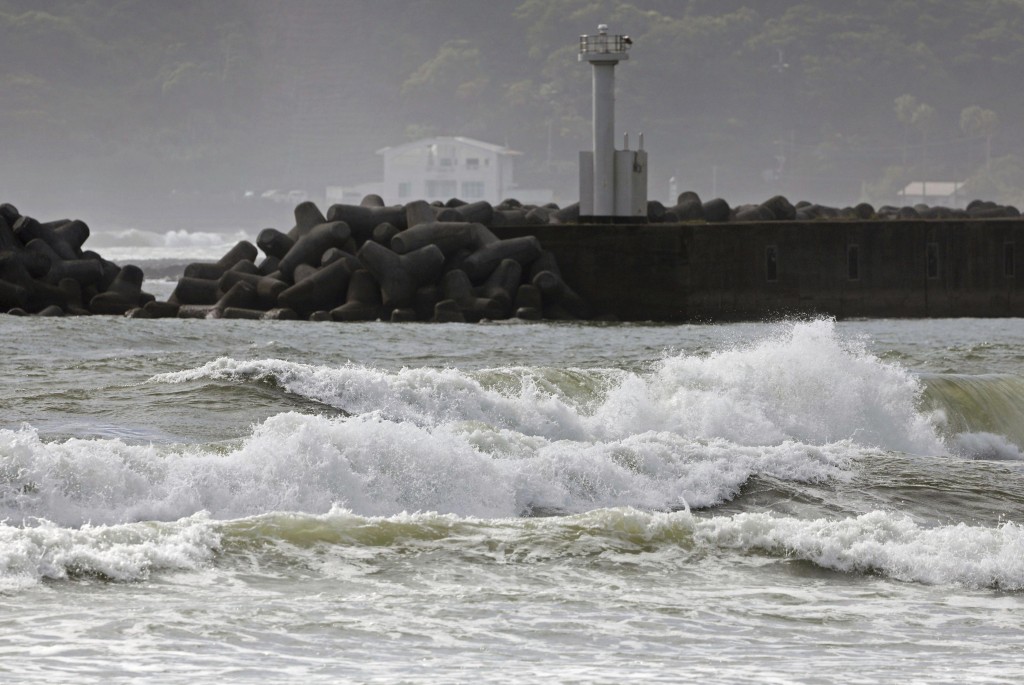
934 193
441 168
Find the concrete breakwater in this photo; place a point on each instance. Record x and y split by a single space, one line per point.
693 261
415 262
924 268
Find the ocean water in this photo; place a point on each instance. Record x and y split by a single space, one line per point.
787 502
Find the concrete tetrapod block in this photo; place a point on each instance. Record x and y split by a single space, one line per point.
74 233
508 217
448 311
502 284
324 290
208 271
545 262
371 200
655 211
194 291
566 215
362 220
85 271
303 271
242 250
476 212
334 254
383 233
267 289
9 213
307 215
400 275
40 294
8 241
27 229
419 212
687 208
124 293
557 295
161 310
13 269
716 211
539 216
311 246
449 215
450 237
363 301
779 208
479 265
424 301
51 310
241 295
269 266
72 290
244 266
456 286
274 243
528 295
12 295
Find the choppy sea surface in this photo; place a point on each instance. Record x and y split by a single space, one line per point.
796 501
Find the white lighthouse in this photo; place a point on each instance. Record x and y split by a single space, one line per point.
613 183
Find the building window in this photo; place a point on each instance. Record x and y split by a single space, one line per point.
853 262
472 163
404 189
441 188
1009 264
472 189
771 263
932 258
447 162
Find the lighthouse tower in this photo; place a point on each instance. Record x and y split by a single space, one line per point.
613 183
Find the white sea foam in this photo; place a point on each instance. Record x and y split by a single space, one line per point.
984 445
805 385
127 552
690 431
295 462
881 542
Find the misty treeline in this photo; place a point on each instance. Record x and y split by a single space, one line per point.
834 100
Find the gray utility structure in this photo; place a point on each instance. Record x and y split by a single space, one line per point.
613 183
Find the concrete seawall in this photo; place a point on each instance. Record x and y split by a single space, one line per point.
759 270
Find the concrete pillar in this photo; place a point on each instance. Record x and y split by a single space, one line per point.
603 138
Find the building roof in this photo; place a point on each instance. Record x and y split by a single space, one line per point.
462 140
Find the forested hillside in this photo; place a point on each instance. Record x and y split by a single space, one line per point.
144 103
